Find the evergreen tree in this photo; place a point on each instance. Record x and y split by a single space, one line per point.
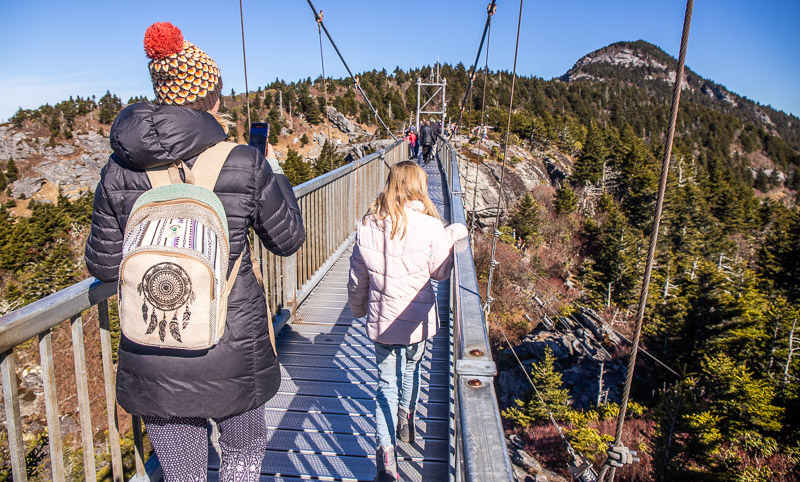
296 169
110 105
566 201
328 160
762 181
611 273
637 180
526 219
52 273
12 174
588 167
548 381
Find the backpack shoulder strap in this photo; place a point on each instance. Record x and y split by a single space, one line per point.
208 165
159 176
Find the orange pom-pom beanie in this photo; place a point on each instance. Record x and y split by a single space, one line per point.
182 74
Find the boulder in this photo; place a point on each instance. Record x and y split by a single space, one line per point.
341 122
26 187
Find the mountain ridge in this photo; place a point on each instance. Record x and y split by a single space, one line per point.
625 60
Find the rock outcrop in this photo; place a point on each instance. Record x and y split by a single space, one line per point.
580 344
524 171
73 167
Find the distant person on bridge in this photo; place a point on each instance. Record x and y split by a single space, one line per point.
177 390
426 140
400 245
412 144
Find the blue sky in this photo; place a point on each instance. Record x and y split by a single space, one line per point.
50 49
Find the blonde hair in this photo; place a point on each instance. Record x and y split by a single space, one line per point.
224 120
407 182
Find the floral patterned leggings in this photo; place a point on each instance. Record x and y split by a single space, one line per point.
181 444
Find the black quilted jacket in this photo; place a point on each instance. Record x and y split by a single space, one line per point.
241 371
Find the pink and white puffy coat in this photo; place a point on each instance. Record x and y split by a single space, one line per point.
390 279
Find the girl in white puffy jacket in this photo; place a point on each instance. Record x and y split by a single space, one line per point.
400 245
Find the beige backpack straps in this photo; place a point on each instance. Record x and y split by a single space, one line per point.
159 176
260 278
210 162
208 165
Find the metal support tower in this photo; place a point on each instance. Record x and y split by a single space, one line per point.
434 99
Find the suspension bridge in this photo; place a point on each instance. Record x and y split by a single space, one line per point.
322 419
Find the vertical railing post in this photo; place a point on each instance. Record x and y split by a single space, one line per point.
16 447
51 406
84 406
111 396
290 283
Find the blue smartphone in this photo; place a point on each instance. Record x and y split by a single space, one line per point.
259 135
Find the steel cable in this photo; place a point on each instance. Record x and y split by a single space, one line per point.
676 97
324 80
496 234
490 10
244 57
352 77
481 123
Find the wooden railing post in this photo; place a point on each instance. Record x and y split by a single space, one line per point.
16 447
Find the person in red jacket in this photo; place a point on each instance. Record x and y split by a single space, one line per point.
412 145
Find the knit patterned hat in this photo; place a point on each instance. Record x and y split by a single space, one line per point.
182 74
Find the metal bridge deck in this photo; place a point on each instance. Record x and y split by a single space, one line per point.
322 420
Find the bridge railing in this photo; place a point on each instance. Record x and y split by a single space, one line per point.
329 223
480 447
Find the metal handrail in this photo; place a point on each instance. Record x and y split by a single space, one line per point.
480 452
330 205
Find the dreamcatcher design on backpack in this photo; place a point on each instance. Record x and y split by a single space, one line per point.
166 287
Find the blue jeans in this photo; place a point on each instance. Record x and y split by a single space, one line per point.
398 370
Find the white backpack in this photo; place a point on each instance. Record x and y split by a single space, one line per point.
173 291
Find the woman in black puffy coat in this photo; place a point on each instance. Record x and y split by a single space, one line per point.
176 391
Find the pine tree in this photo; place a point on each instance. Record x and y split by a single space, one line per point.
110 106
11 170
637 182
588 167
526 219
566 201
328 160
548 381
296 169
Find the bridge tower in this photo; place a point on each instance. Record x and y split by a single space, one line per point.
434 101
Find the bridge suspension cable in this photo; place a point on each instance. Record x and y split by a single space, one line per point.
318 18
493 264
244 58
324 80
662 187
490 10
481 123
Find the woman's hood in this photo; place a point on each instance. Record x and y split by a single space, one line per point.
144 135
